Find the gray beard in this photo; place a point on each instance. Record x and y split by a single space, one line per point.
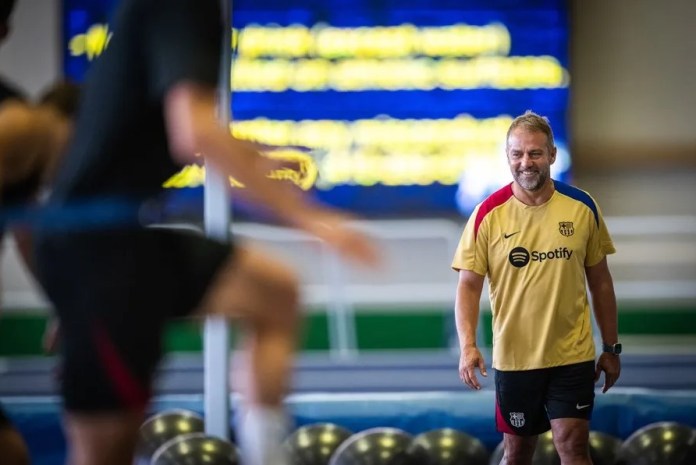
532 185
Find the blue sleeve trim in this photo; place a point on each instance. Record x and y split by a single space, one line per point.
579 195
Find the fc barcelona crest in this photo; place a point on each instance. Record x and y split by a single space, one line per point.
517 419
566 228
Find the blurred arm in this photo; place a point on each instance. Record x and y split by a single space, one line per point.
193 127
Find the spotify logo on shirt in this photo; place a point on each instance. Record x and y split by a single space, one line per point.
519 256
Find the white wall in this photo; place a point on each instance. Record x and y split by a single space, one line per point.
633 101
30 56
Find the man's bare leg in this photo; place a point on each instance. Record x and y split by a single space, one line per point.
102 438
519 450
571 436
263 295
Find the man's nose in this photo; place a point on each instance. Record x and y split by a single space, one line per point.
526 160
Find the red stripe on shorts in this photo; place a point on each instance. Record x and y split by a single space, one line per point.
500 422
131 393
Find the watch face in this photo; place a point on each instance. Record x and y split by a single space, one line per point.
613 348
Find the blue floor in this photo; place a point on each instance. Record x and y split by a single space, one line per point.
413 392
617 413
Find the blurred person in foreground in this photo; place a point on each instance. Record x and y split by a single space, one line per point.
539 242
13 448
148 107
33 138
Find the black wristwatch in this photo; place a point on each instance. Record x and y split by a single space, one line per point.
612 348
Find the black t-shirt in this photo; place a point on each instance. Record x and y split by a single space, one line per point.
120 147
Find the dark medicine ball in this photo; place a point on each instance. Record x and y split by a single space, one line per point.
375 446
314 444
447 446
661 443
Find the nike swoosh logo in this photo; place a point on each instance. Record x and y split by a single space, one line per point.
580 407
507 236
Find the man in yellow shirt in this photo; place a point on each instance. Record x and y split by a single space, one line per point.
539 242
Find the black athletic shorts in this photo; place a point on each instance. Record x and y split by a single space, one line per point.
113 292
527 400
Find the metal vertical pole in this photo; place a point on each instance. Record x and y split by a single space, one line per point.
217 217
340 313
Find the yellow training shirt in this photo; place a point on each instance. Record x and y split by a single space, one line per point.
535 259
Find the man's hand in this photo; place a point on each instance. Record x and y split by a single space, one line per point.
610 364
469 360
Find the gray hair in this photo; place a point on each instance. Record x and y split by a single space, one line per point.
534 123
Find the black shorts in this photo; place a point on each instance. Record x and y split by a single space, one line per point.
527 400
113 292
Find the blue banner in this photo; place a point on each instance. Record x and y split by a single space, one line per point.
403 105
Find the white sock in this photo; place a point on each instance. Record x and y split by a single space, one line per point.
260 434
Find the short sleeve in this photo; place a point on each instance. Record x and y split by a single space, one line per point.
599 243
472 250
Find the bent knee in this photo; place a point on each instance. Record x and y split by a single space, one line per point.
280 286
258 287
277 300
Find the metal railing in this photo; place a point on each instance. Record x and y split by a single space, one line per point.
655 262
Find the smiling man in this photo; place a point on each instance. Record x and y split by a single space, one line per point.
539 242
